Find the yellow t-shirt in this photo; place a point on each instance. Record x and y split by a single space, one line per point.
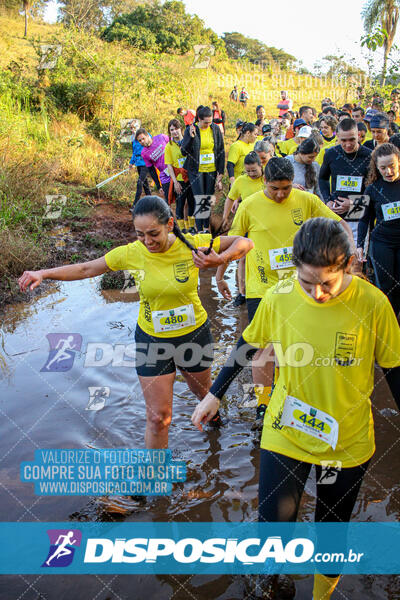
321 154
237 153
272 226
173 156
326 354
287 147
207 158
166 281
245 186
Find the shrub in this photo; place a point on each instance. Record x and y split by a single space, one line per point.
83 98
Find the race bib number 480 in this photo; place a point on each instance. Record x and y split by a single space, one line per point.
174 318
391 211
346 183
281 258
310 420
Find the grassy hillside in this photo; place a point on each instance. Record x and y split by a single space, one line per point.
59 128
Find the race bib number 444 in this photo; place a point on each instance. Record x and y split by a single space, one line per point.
174 318
310 420
391 211
346 183
281 258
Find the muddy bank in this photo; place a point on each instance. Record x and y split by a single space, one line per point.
72 241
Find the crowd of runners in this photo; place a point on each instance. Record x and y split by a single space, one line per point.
312 214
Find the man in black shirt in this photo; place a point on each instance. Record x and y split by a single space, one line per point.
343 173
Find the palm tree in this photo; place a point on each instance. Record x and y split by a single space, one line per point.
383 13
26 4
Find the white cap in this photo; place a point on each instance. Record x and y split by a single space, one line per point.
304 131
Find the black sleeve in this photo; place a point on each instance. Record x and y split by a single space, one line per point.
186 142
324 176
154 176
238 359
220 151
393 378
230 167
367 221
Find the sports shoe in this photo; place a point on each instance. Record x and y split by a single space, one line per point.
193 230
258 424
261 408
239 300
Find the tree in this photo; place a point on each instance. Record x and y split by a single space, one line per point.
239 46
383 13
28 6
115 8
160 28
86 14
91 14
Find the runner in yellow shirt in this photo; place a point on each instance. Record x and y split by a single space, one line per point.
174 160
265 150
289 146
244 186
327 328
165 265
239 149
271 218
328 131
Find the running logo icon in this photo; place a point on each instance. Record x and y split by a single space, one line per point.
203 204
63 347
133 279
97 397
63 543
329 471
202 55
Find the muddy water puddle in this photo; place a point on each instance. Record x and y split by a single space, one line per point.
47 409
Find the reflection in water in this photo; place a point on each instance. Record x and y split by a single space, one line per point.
50 410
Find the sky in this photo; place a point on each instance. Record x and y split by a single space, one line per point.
304 28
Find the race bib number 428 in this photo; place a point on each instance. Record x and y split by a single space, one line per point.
346 183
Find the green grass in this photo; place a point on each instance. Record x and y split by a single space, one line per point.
59 130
